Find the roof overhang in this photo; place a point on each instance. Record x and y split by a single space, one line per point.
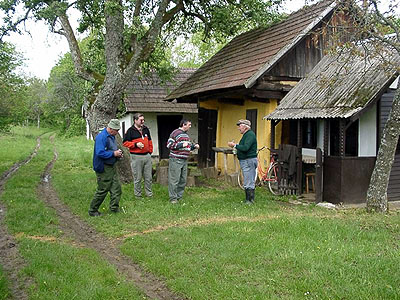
253 79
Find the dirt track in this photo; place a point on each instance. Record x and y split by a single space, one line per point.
78 230
11 261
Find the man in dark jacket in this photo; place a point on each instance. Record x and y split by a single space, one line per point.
138 140
247 155
105 156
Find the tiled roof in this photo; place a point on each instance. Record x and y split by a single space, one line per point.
146 94
251 54
338 87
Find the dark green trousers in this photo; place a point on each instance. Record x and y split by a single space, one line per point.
108 181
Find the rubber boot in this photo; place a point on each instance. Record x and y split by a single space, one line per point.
248 196
247 191
251 195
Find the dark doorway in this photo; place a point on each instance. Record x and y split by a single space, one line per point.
351 146
166 124
251 115
334 137
207 137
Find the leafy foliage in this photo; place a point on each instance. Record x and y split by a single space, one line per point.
67 93
11 86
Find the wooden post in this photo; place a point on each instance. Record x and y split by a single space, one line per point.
299 164
342 137
226 165
319 177
272 140
326 137
236 163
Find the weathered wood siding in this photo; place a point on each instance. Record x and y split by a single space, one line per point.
305 55
394 181
300 60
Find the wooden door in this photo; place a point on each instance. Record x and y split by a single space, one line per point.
207 137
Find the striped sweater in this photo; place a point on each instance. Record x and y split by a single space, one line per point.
175 144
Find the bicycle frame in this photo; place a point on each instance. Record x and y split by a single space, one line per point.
263 174
270 177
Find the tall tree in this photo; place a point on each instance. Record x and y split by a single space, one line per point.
36 98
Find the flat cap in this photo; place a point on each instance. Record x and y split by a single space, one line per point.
114 124
244 122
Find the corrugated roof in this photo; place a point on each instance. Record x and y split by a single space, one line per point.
147 94
338 87
251 54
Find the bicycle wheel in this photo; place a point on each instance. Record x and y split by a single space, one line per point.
240 179
272 179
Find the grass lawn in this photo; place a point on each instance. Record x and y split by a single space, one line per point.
209 246
16 145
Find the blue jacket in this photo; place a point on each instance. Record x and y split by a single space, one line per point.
104 148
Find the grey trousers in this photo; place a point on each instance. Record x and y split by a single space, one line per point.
177 175
142 167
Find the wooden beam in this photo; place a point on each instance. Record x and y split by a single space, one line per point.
278 78
266 94
274 86
233 101
226 93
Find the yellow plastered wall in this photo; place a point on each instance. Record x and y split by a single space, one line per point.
229 114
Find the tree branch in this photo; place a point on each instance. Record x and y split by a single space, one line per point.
14 26
74 48
114 36
173 11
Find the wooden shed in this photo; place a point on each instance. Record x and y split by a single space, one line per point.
341 108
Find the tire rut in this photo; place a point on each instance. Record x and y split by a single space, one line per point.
11 260
81 232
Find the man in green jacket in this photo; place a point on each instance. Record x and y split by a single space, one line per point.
247 155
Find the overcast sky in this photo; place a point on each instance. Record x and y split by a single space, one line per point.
43 49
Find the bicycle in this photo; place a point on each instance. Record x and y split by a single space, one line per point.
269 177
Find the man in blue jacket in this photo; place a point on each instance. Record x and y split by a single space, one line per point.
105 156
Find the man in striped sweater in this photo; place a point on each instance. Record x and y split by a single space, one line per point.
180 147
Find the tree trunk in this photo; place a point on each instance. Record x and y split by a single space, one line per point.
377 191
124 165
101 112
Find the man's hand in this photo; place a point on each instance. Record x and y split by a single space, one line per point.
231 144
197 146
118 153
140 145
185 144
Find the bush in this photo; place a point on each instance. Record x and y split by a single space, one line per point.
77 127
